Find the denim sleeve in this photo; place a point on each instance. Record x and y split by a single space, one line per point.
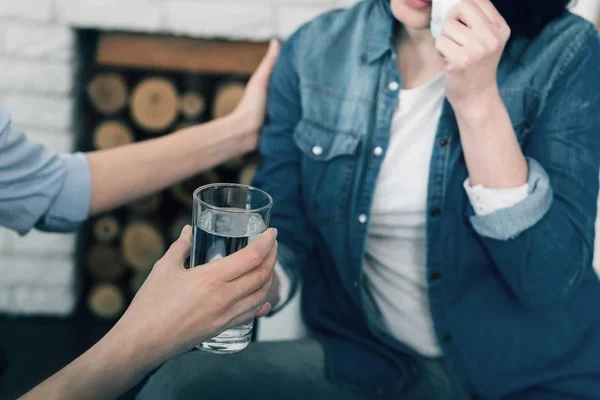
543 247
279 172
508 223
39 188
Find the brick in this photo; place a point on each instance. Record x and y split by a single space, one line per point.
43 244
31 300
290 18
29 110
134 15
232 20
35 76
26 40
59 142
5 241
37 271
39 10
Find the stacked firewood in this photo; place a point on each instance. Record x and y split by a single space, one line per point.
123 106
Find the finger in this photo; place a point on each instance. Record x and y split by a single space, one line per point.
458 32
180 249
247 259
242 319
264 310
248 307
255 279
263 72
452 52
251 315
482 37
492 14
471 15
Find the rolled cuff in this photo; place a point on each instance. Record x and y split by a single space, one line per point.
284 287
508 223
72 205
487 201
288 278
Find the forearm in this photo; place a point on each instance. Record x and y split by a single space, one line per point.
105 371
492 153
124 174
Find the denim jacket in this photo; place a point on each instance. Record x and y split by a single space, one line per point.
513 295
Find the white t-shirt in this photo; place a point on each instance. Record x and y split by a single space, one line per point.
395 255
394 262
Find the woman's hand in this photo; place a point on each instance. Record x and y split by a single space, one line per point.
472 42
250 113
177 309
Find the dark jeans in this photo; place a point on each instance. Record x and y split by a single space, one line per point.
273 370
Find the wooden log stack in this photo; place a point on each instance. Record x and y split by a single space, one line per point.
139 88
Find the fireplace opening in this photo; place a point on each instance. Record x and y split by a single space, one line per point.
130 88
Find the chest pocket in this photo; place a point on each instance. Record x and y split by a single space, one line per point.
328 167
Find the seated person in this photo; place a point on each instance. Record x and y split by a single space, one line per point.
437 200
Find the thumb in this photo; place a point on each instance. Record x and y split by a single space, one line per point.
263 72
180 249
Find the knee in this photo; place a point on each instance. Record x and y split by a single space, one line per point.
183 377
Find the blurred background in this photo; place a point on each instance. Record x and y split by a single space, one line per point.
95 74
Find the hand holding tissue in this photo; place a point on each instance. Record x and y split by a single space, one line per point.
440 13
471 42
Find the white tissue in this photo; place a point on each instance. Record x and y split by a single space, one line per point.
440 13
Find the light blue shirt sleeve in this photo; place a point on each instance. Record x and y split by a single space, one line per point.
38 188
508 223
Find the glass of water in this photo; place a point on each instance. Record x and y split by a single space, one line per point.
227 217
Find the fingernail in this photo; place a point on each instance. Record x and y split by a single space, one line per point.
186 231
268 307
275 232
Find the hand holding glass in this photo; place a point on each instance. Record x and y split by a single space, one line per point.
226 218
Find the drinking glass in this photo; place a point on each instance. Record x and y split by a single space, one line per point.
227 217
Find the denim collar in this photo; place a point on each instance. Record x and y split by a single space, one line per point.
380 37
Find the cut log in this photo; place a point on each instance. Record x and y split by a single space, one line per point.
108 93
147 205
227 97
111 134
183 192
104 263
247 174
154 104
142 245
106 229
106 301
193 105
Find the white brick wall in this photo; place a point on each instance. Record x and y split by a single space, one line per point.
36 58
37 10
